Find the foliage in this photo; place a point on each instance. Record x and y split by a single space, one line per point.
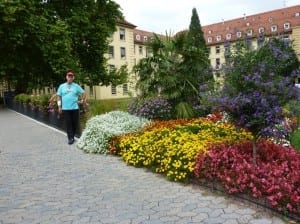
32 43
295 140
173 151
101 128
258 84
41 40
175 68
40 102
154 108
276 177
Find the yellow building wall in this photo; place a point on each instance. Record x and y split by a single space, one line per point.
105 92
296 40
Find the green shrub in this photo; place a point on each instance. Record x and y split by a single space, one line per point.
23 98
295 139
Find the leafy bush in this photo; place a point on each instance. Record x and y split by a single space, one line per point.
295 139
258 83
276 176
154 108
101 128
23 98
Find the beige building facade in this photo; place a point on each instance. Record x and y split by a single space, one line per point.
281 23
128 44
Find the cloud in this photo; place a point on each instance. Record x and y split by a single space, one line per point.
175 15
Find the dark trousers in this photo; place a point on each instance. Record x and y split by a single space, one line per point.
72 120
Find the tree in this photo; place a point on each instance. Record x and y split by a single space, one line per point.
41 40
258 84
32 47
90 24
177 66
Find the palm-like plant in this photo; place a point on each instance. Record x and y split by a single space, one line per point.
172 72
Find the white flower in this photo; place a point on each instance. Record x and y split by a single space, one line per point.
101 128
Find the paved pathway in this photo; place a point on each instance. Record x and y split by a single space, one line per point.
44 180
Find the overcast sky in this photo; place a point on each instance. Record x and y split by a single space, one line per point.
172 16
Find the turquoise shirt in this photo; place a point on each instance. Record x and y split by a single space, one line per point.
69 95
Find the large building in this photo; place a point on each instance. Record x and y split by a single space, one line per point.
281 23
128 44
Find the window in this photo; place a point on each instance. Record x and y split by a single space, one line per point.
141 50
274 28
261 30
239 34
260 41
123 52
228 36
122 33
91 90
138 37
297 14
249 32
248 24
145 38
148 53
270 19
218 50
111 51
209 40
286 26
125 89
112 68
218 63
113 90
286 40
227 49
209 32
219 37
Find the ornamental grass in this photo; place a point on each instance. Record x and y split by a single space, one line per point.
172 151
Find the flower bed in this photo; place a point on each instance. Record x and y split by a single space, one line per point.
208 150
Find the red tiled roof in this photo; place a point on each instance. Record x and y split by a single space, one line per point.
142 34
264 20
125 23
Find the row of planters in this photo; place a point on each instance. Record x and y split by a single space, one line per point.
205 150
42 108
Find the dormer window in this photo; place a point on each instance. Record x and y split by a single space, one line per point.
218 38
274 28
270 19
261 30
209 40
138 37
228 36
145 38
286 26
239 34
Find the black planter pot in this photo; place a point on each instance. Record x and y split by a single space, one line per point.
50 118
